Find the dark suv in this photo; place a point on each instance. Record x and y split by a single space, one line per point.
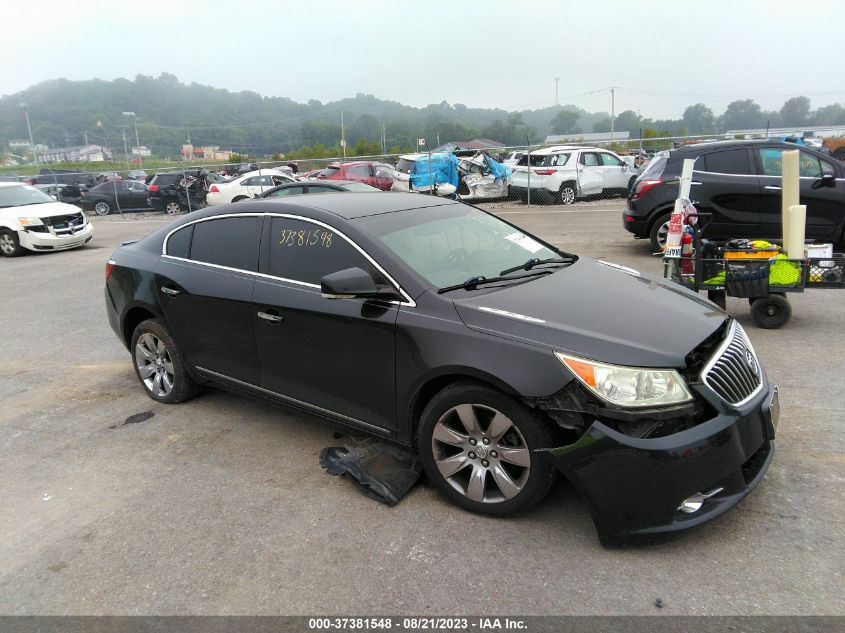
167 191
739 183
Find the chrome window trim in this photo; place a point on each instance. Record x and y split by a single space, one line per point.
408 301
295 402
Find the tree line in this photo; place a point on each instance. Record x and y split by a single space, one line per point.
170 113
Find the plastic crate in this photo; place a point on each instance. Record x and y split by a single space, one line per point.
826 272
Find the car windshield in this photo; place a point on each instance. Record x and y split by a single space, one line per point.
22 196
329 171
359 186
449 244
404 165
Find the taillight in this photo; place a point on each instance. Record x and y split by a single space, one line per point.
643 187
109 267
214 189
153 188
544 172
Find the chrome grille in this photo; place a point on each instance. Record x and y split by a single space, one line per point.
734 372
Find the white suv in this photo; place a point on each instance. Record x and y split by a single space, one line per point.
568 172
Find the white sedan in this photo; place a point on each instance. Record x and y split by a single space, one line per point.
32 220
246 186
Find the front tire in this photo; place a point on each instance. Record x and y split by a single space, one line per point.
477 447
159 365
10 245
102 208
172 208
659 231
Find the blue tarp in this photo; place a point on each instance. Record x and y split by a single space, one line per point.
444 168
497 169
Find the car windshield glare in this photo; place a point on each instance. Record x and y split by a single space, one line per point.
22 196
449 244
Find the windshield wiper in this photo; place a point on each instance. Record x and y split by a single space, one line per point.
473 282
568 259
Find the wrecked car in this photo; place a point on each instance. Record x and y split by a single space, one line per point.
498 358
475 177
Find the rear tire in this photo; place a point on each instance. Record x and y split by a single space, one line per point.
566 194
159 364
10 245
477 447
658 232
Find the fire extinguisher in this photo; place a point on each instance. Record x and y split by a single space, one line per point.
687 264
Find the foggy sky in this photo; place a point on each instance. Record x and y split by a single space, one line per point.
661 55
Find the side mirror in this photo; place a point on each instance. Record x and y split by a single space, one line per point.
353 282
827 180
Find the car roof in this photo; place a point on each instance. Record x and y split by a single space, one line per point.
559 148
318 183
348 204
697 148
264 172
11 184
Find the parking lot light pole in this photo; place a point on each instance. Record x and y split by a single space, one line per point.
137 142
29 129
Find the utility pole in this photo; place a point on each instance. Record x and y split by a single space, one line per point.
29 129
612 110
85 136
557 80
342 137
137 142
125 150
383 139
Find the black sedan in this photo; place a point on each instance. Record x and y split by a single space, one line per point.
315 186
115 196
497 357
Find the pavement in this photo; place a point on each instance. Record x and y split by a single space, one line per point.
219 506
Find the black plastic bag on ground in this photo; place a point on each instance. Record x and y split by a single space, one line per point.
382 471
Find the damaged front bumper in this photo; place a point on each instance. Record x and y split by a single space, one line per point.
635 487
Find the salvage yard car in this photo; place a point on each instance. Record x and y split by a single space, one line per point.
500 359
566 173
739 184
32 220
246 186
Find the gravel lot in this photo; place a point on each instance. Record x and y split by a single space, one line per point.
219 506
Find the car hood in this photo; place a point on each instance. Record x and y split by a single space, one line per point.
599 311
45 210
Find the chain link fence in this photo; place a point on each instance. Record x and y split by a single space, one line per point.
563 174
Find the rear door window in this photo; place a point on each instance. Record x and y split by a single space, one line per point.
732 161
307 252
230 242
559 160
179 243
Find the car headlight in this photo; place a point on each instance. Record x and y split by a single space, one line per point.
628 386
30 221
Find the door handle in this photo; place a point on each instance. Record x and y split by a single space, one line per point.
772 188
170 291
272 318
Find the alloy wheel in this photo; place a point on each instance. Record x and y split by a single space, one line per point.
567 195
7 244
155 366
102 208
172 208
662 233
481 453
